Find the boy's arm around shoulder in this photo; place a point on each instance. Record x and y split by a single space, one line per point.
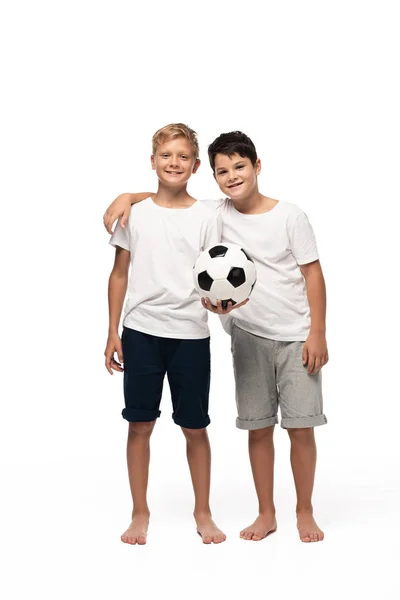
121 207
117 285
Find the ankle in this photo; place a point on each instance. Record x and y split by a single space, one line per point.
202 513
267 511
142 512
304 509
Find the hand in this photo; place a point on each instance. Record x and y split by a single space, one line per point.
315 353
114 345
121 207
218 310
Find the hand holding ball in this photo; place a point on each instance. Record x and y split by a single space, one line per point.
225 272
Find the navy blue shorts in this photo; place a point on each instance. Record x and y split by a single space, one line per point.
147 358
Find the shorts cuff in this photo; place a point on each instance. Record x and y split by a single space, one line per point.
192 424
259 424
137 415
304 422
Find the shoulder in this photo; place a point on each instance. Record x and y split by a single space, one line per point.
213 205
290 209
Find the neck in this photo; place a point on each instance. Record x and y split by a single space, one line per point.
172 197
253 203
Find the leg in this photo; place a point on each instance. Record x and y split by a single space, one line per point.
138 457
189 379
257 404
300 397
143 381
261 451
199 458
303 457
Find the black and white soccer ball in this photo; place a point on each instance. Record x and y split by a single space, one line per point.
224 272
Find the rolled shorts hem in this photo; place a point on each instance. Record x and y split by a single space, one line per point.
191 424
259 424
140 415
304 422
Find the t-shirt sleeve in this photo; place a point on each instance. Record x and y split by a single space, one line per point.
214 205
121 237
302 240
213 231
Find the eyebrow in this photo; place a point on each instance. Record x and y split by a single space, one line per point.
234 164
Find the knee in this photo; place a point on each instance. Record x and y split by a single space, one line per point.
193 435
143 429
303 435
266 433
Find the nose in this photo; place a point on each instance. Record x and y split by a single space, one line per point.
174 161
232 177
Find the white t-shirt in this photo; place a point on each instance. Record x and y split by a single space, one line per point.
278 241
164 244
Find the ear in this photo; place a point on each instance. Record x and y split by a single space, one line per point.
196 165
153 162
257 166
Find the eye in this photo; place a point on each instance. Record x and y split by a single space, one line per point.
183 156
165 155
240 167
221 172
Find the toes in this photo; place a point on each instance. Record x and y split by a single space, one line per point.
257 537
206 539
141 540
305 537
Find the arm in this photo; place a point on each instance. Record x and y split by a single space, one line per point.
117 285
315 352
121 207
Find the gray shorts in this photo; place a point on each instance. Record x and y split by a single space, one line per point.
268 374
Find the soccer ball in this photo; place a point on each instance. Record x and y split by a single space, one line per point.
224 272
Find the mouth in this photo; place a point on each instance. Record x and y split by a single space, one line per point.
174 172
235 185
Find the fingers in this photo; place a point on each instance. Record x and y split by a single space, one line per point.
310 363
223 307
109 356
111 363
118 348
108 220
116 366
206 302
305 355
317 365
125 218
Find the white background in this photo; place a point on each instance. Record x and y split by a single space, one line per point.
84 86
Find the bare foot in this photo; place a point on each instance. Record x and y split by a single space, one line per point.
264 525
207 529
137 530
308 529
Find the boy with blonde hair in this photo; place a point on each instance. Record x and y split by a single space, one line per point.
278 338
165 327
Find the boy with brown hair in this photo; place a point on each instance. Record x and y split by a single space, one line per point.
165 327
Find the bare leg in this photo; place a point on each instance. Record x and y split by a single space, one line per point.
138 456
199 458
262 454
303 457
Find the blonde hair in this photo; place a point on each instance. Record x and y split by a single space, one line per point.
175 130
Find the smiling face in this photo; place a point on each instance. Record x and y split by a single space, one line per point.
236 175
174 161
